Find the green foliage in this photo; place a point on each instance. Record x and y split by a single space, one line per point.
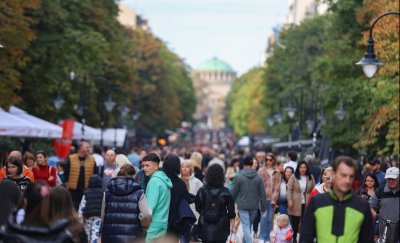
85 36
245 114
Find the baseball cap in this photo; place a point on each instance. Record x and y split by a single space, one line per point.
375 161
392 173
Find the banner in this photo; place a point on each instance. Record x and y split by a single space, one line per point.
63 145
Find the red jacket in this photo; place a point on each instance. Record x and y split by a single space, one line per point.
45 173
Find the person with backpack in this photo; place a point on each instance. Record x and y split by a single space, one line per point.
248 193
215 206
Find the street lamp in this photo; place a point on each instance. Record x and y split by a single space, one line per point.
109 103
291 111
369 62
58 101
340 113
271 120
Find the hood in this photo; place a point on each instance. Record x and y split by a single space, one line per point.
95 181
163 177
122 185
249 173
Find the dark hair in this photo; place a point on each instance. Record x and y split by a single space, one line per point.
41 152
297 172
127 170
61 207
28 155
97 149
292 155
346 160
373 176
17 162
153 157
61 164
248 161
172 165
234 160
10 198
215 176
287 168
36 199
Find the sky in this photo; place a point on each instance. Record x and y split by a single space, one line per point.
235 31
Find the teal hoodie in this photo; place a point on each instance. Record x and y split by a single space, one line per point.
158 193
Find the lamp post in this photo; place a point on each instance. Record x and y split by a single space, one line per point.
340 113
369 62
81 107
109 104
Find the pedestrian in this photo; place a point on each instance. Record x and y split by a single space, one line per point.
249 195
193 185
90 208
299 188
109 167
37 225
369 186
292 156
10 199
385 203
15 173
271 179
376 169
158 193
60 166
120 160
283 231
25 172
42 170
125 208
79 168
282 200
215 206
338 215
61 208
29 159
314 169
326 183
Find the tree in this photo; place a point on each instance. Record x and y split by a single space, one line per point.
15 35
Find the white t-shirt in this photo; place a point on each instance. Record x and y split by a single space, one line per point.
303 184
291 164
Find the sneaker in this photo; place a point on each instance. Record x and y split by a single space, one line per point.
255 235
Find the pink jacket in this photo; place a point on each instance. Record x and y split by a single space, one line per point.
284 235
271 186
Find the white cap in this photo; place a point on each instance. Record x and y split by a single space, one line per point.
392 173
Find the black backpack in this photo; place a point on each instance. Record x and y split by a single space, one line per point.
214 206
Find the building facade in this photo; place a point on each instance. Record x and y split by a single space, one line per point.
212 81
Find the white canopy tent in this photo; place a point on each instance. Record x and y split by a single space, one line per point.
14 126
90 133
47 129
110 135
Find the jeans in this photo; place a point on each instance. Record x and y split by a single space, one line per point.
266 222
283 208
246 219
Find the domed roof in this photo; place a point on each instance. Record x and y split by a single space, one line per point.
215 64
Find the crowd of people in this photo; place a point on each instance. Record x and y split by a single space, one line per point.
196 195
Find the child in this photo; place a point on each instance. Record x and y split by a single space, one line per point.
284 232
90 208
60 173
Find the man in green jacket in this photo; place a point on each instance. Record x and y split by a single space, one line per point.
338 216
158 193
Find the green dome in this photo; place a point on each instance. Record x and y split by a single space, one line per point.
214 64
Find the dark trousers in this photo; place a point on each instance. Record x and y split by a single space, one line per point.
256 221
295 222
76 196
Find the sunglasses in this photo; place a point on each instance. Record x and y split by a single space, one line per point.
328 178
269 160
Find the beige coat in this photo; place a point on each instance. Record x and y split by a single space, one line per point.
294 194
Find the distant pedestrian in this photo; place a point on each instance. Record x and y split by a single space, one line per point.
216 207
109 167
292 156
376 169
326 183
369 186
282 201
249 195
42 170
15 173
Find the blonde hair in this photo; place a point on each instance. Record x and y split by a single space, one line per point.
121 160
284 219
188 163
196 157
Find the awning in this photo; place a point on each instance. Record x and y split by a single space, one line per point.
46 129
14 126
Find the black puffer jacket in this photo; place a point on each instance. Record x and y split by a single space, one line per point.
121 217
219 230
93 197
57 233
